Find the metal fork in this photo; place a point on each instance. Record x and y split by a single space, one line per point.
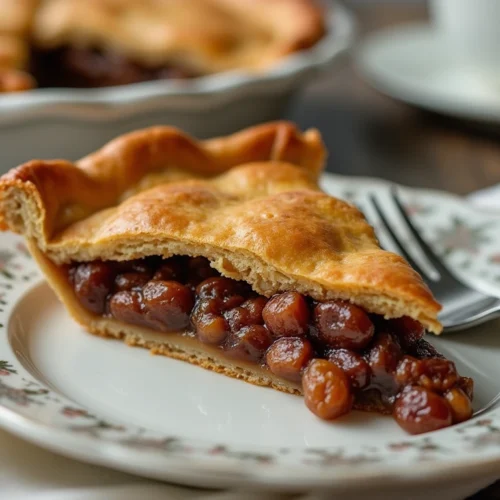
463 306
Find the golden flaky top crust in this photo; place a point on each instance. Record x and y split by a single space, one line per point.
249 202
204 36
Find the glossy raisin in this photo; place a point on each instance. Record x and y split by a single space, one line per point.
327 391
219 288
130 281
128 307
418 410
288 356
460 404
467 385
353 365
93 281
248 313
408 330
211 329
383 357
248 344
435 374
422 349
255 307
287 315
206 306
169 303
231 302
342 325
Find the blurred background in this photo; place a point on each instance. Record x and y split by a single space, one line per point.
370 134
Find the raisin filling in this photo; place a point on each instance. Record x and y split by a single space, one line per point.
342 355
89 68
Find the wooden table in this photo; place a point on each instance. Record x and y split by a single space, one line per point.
368 134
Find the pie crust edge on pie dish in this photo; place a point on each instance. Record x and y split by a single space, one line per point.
225 35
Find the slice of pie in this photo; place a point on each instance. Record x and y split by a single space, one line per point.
98 43
225 253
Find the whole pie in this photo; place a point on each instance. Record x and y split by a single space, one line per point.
96 43
226 254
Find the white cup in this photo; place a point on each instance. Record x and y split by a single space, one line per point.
470 31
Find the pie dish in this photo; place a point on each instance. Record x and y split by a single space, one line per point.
100 43
210 105
225 253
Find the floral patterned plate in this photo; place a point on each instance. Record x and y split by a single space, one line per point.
102 402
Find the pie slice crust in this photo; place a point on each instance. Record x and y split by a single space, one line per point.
226 253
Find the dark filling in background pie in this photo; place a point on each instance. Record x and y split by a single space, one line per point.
341 354
88 68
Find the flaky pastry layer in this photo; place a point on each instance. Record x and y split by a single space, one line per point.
250 203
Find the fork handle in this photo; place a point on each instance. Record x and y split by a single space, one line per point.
457 324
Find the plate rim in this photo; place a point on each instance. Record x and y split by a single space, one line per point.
295 481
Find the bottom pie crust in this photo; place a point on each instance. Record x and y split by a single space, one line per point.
183 348
179 346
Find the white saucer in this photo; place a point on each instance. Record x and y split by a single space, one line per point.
410 64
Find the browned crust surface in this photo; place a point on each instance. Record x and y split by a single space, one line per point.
249 202
63 192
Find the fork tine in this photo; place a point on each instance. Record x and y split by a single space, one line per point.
395 238
433 258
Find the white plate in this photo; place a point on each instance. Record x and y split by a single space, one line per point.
411 64
105 403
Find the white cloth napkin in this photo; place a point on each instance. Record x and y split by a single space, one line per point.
31 473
